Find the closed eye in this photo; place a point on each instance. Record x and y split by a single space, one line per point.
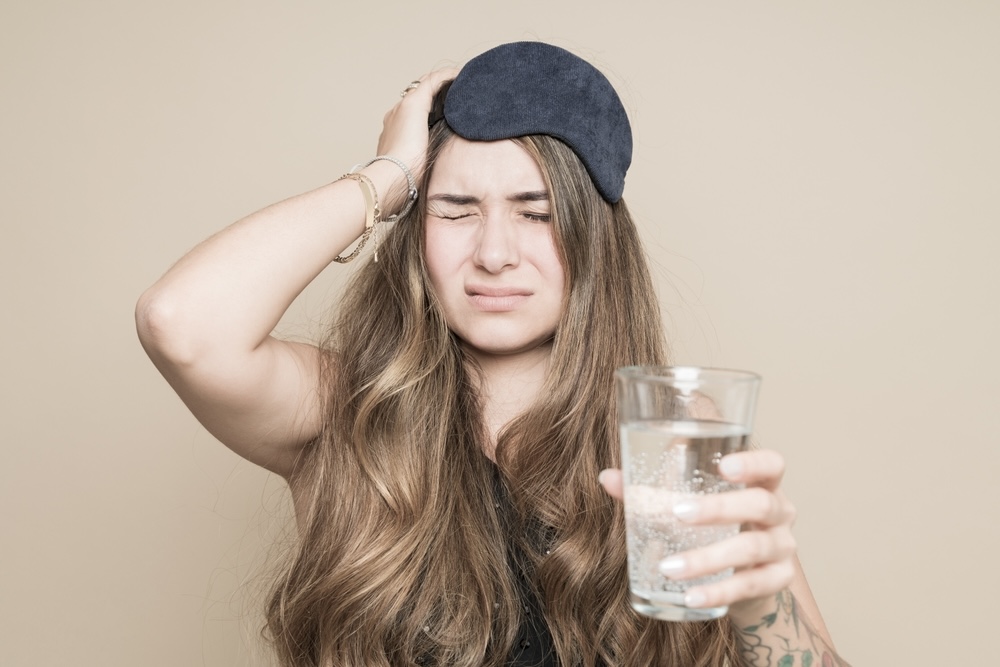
538 217
446 212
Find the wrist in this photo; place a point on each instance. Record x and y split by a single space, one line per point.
750 612
395 182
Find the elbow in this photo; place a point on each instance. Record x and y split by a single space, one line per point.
159 322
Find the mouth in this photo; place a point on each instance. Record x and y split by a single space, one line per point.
497 299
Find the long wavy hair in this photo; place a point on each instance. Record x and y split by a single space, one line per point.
412 541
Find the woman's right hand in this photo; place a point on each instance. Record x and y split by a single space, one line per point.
404 128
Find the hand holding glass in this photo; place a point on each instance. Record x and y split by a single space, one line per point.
676 425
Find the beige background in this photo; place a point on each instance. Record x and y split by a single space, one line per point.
816 181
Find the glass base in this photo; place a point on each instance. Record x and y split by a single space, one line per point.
670 607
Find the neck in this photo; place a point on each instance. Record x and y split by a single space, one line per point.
508 385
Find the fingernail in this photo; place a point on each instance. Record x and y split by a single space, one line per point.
602 476
694 598
731 466
686 510
672 565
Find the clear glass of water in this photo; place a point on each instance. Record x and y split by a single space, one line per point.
676 424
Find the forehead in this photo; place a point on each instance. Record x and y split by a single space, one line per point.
483 167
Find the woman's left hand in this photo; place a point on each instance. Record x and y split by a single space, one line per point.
763 554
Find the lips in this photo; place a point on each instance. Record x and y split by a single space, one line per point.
497 299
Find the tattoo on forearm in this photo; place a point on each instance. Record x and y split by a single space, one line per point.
762 647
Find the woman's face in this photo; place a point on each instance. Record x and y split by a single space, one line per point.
490 249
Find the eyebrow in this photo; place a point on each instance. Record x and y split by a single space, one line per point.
465 200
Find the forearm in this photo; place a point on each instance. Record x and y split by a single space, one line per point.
231 290
782 634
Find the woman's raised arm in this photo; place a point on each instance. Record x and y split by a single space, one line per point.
207 323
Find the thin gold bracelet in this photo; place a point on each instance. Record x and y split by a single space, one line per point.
373 216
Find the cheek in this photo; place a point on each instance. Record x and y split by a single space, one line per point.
551 265
439 257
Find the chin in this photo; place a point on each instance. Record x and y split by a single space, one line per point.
493 347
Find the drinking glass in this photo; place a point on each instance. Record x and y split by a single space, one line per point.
676 423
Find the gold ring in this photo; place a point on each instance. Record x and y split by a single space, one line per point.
413 84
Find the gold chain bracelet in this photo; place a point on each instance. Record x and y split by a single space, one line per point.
373 216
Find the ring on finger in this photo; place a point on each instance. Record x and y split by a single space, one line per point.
413 84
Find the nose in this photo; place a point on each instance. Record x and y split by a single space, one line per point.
497 247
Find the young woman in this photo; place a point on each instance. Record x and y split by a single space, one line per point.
451 447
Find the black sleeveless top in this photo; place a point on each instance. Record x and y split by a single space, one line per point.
534 647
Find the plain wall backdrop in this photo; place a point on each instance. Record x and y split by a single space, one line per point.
816 183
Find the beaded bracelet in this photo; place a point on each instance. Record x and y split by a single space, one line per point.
372 216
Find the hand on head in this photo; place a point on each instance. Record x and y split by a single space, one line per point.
404 127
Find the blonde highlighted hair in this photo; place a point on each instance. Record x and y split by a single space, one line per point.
412 541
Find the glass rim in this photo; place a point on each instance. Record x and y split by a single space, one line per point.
685 373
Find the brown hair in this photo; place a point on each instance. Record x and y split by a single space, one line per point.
406 554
